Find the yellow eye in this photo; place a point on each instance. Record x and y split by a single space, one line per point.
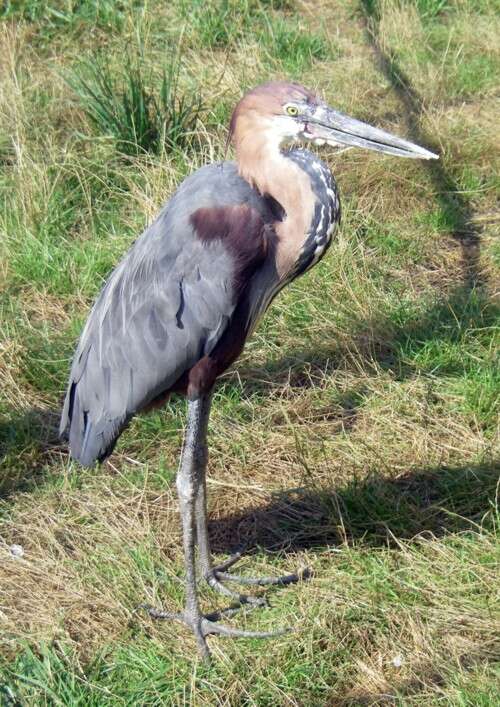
292 110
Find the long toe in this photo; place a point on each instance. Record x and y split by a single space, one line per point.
208 624
211 627
217 586
303 574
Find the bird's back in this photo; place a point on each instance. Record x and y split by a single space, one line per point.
165 306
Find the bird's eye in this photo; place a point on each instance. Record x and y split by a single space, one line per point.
292 110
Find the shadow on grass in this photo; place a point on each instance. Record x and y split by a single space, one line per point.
393 342
24 439
456 209
375 511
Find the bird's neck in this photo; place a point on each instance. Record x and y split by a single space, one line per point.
267 169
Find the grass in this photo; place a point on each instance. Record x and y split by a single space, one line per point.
136 116
62 12
293 47
219 23
358 433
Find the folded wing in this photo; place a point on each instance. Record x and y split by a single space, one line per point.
164 307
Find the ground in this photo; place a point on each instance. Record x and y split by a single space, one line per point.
358 433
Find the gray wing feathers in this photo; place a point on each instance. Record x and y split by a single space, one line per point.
164 306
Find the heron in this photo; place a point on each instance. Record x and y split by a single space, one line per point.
177 310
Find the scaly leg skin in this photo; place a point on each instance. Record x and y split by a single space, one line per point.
190 477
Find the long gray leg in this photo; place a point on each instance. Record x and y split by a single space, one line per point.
190 477
214 575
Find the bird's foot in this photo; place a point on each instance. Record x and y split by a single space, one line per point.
206 625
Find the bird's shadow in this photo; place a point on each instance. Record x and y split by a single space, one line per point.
376 511
25 439
456 208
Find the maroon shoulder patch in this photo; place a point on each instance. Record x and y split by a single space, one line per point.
243 232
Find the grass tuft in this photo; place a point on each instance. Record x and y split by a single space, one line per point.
138 117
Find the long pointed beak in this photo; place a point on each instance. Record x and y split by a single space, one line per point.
339 129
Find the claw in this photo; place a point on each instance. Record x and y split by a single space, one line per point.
207 624
228 611
218 573
240 598
213 616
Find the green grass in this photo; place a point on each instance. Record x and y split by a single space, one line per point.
222 24
57 21
67 210
138 117
61 13
379 587
357 434
219 23
294 47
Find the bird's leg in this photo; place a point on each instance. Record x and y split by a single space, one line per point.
189 479
214 575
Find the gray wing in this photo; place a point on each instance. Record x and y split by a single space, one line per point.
165 306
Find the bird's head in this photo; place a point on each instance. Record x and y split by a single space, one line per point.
287 112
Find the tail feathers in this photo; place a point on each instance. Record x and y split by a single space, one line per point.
90 440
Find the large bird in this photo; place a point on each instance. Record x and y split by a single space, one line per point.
178 308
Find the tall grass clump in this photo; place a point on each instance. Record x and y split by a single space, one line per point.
139 116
